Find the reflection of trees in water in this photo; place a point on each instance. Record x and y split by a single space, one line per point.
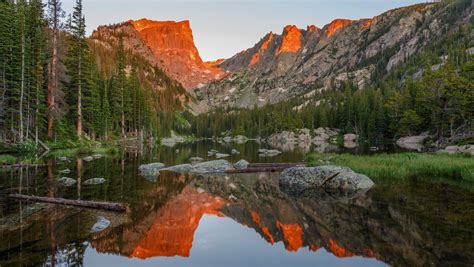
406 224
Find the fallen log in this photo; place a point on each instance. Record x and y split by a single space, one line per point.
76 203
277 165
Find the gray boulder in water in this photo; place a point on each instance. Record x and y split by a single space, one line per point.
183 168
101 224
95 181
152 170
216 166
241 164
222 155
329 178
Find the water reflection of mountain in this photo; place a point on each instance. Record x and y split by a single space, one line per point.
401 224
399 230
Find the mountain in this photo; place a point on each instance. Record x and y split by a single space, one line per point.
168 45
303 62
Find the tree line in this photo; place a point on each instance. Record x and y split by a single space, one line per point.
433 91
53 86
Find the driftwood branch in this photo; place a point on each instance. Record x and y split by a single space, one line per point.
76 203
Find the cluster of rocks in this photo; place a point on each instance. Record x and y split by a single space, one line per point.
468 149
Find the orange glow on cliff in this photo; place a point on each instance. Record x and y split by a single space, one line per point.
366 23
214 63
291 40
256 56
339 251
292 234
311 28
172 232
336 25
265 230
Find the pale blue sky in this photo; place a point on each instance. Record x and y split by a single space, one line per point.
223 28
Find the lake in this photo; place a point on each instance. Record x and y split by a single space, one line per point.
228 220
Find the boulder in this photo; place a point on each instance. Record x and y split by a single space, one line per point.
468 149
227 139
212 153
413 142
151 170
235 152
183 168
221 155
268 152
324 134
97 156
101 224
328 178
216 166
67 182
95 181
241 164
350 137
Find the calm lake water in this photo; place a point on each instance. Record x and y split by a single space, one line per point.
228 220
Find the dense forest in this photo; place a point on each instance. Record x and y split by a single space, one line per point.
433 91
55 85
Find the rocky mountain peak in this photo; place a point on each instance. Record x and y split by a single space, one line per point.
172 43
291 42
256 57
337 24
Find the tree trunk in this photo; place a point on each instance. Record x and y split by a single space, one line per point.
52 79
79 98
22 82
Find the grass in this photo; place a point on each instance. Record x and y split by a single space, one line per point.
402 166
7 159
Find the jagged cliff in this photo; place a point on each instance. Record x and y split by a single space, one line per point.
168 45
302 62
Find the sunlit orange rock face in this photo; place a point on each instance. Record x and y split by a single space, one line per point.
265 230
339 251
256 56
172 233
172 43
291 40
292 234
214 63
337 24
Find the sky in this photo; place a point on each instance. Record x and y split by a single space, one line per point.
222 28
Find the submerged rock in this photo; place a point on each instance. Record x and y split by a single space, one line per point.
95 181
329 178
152 170
101 224
235 152
241 164
66 181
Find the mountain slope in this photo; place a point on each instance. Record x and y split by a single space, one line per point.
168 45
304 62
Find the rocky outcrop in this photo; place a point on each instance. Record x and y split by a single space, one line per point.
302 138
172 43
241 164
216 166
329 178
413 142
468 149
151 171
301 61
